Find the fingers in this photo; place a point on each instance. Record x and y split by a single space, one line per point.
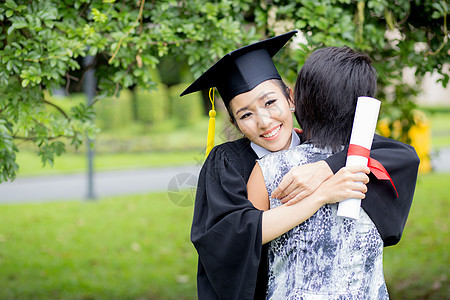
354 183
290 192
356 195
296 195
355 173
361 177
359 187
296 199
360 168
298 130
279 192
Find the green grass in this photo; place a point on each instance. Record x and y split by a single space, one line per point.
119 248
418 267
137 247
440 129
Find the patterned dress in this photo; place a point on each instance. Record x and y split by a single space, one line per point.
325 257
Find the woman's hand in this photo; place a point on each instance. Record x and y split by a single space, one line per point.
348 183
301 181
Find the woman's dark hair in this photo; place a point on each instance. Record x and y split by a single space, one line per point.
327 89
280 83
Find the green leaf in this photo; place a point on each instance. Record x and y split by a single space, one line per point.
49 23
10 4
20 24
300 24
10 30
9 13
25 82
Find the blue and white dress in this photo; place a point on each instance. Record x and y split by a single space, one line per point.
325 257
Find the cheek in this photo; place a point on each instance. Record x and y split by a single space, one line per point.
247 127
281 112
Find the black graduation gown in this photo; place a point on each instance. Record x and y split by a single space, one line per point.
226 229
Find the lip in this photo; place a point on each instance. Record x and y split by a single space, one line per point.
270 131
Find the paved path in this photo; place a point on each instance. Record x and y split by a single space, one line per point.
441 160
51 188
48 188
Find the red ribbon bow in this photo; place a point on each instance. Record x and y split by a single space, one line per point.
374 165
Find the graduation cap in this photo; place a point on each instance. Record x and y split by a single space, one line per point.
243 69
238 72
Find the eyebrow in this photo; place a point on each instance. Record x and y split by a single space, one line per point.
260 97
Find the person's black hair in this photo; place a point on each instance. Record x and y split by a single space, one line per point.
280 83
325 94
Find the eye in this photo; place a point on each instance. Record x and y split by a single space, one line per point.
270 102
245 116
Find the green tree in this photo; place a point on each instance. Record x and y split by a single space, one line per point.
396 35
41 43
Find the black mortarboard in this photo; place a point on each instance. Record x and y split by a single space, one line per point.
243 69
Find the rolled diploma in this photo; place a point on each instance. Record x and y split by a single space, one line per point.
366 116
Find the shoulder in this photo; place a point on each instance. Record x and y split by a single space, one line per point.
238 154
231 150
394 147
381 140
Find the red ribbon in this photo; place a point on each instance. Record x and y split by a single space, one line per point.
374 165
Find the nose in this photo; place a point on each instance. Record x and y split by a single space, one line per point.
263 118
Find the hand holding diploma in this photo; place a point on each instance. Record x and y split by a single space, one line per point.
364 123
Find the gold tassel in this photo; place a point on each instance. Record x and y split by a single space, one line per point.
211 125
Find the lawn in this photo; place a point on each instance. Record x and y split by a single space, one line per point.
418 267
137 247
133 247
440 128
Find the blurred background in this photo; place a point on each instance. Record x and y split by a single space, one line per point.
100 155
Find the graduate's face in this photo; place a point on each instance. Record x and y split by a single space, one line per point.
264 116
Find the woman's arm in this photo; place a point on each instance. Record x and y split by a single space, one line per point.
256 189
343 185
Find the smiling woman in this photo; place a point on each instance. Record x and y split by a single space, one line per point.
228 231
263 115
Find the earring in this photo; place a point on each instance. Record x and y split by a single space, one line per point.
292 109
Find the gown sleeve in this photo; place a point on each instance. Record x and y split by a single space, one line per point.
226 232
388 212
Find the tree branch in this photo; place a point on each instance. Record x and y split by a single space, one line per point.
83 10
141 9
69 77
58 108
404 18
118 81
86 68
444 42
165 43
35 137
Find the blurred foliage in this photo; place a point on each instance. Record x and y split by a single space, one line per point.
43 43
186 111
395 34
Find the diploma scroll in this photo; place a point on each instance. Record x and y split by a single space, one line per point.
366 116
